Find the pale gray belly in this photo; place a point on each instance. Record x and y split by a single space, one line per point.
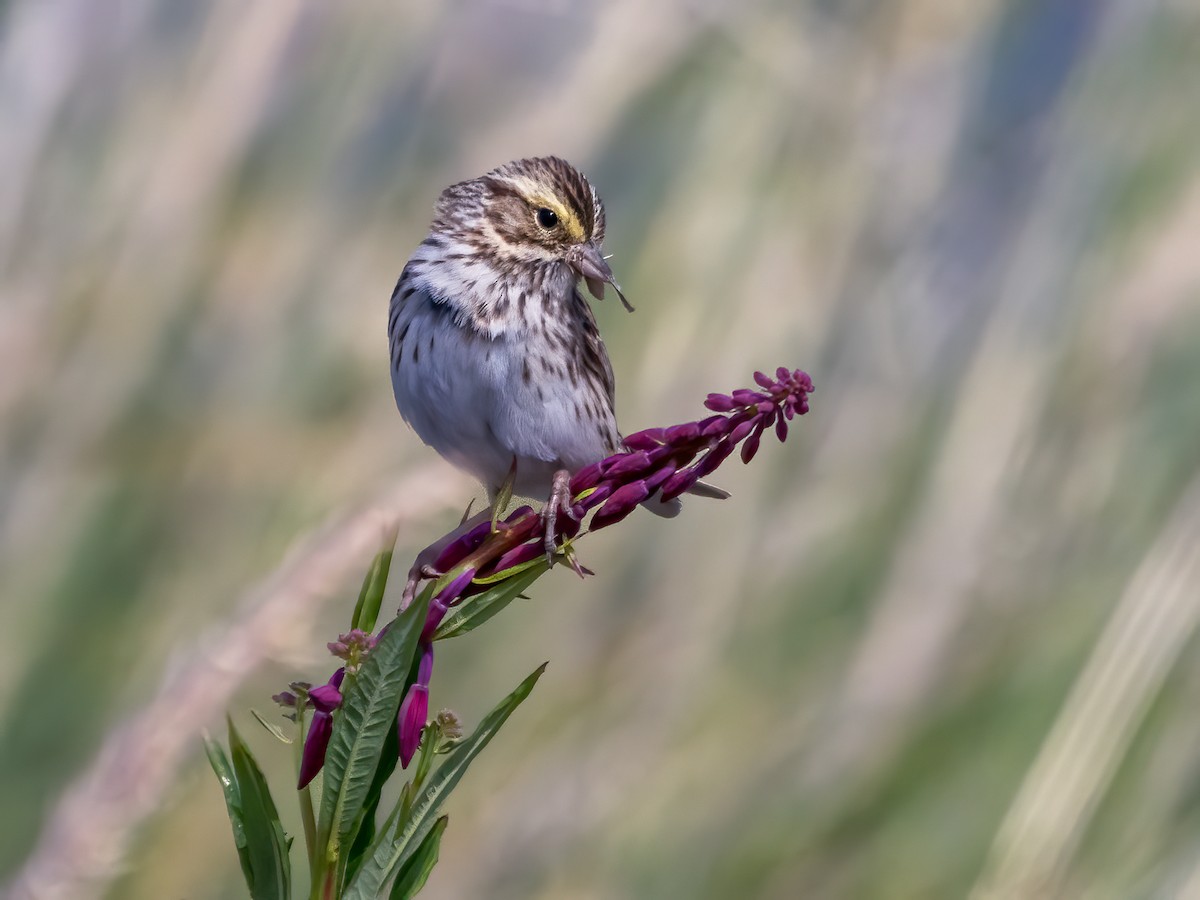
481 402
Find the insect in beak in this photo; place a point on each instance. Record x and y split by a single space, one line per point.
592 267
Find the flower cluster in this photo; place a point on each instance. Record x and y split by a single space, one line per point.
662 462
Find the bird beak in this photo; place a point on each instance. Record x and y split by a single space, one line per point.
593 269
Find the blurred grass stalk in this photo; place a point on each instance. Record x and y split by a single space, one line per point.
1155 620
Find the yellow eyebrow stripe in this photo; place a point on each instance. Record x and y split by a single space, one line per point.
535 193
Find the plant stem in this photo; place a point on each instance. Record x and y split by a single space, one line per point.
306 807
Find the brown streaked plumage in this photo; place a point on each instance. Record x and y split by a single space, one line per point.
496 359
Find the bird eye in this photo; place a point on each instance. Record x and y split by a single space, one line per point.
547 218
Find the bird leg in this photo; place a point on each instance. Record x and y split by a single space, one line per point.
559 502
423 567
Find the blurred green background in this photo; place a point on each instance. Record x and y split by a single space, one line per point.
940 644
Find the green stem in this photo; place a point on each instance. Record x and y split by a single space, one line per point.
429 738
306 807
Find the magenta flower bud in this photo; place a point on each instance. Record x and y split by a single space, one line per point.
444 599
328 696
568 526
285 699
714 426
719 402
325 698
659 476
744 397
622 502
521 554
312 758
740 430
784 375
588 476
592 500
683 434
764 381
646 440
519 530
678 483
451 592
456 551
625 464
751 446
414 709
713 458
781 429
517 515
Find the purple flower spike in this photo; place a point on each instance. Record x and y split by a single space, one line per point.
620 504
414 710
662 462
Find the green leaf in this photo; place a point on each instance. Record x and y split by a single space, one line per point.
360 729
370 596
271 727
415 871
512 571
388 759
400 840
266 843
233 802
474 611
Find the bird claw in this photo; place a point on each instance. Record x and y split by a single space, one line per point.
559 502
420 570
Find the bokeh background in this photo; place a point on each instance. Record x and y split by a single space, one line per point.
940 644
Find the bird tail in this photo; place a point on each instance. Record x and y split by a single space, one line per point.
670 508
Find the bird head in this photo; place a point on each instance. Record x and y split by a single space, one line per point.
540 211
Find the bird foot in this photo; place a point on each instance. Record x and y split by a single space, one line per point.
419 572
423 566
558 503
